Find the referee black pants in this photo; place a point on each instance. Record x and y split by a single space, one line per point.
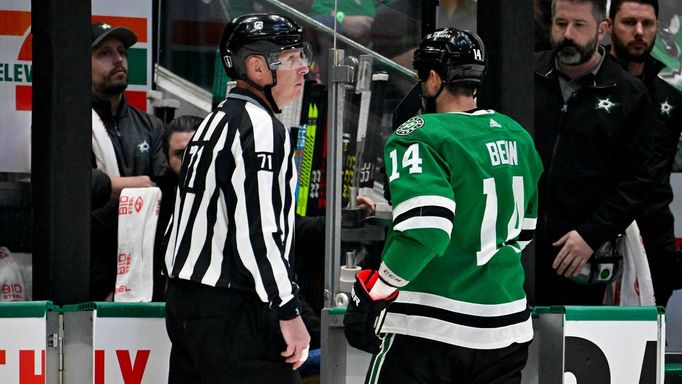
220 336
411 360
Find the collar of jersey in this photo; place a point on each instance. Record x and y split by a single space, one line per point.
477 112
248 96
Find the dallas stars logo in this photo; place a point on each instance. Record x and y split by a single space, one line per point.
605 104
666 108
143 146
409 126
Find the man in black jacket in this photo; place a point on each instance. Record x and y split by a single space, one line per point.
633 27
136 154
590 132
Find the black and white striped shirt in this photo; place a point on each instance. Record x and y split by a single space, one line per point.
234 213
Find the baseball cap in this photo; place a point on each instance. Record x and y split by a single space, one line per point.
101 31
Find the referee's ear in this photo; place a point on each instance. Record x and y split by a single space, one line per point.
257 70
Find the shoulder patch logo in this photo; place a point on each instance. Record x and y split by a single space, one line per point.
494 124
143 146
666 108
606 104
409 126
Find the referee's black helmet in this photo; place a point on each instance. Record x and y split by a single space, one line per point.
260 34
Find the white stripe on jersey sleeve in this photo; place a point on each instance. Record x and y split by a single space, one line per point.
241 222
220 226
202 126
198 238
425 222
218 118
288 216
424 201
528 224
173 239
263 138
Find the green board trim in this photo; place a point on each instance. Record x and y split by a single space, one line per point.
602 313
673 373
337 311
25 309
107 309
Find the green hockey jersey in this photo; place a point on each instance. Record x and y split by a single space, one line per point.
464 195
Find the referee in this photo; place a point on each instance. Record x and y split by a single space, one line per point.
232 311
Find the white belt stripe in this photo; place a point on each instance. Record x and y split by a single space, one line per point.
455 334
474 309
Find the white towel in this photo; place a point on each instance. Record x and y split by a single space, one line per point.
11 282
636 287
105 157
138 213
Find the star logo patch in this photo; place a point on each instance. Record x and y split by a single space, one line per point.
666 108
143 146
605 104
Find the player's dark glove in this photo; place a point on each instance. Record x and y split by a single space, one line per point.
365 316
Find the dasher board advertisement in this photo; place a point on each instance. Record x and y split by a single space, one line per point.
16 69
614 351
130 350
22 351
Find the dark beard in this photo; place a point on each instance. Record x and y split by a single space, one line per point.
624 55
584 52
115 89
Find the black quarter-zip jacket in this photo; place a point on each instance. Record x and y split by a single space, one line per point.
596 151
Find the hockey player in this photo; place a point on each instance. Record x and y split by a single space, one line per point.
232 309
463 182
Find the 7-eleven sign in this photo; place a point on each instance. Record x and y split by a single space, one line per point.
16 69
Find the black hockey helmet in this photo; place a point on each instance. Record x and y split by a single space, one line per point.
458 56
260 34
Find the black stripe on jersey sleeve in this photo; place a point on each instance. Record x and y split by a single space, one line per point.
288 207
277 159
526 235
253 210
429 210
460 318
204 260
184 239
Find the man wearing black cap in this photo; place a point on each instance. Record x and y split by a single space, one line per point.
127 149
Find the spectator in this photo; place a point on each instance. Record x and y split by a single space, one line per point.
126 156
633 26
461 313
232 308
590 130
175 138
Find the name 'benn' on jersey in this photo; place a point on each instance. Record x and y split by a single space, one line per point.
503 152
